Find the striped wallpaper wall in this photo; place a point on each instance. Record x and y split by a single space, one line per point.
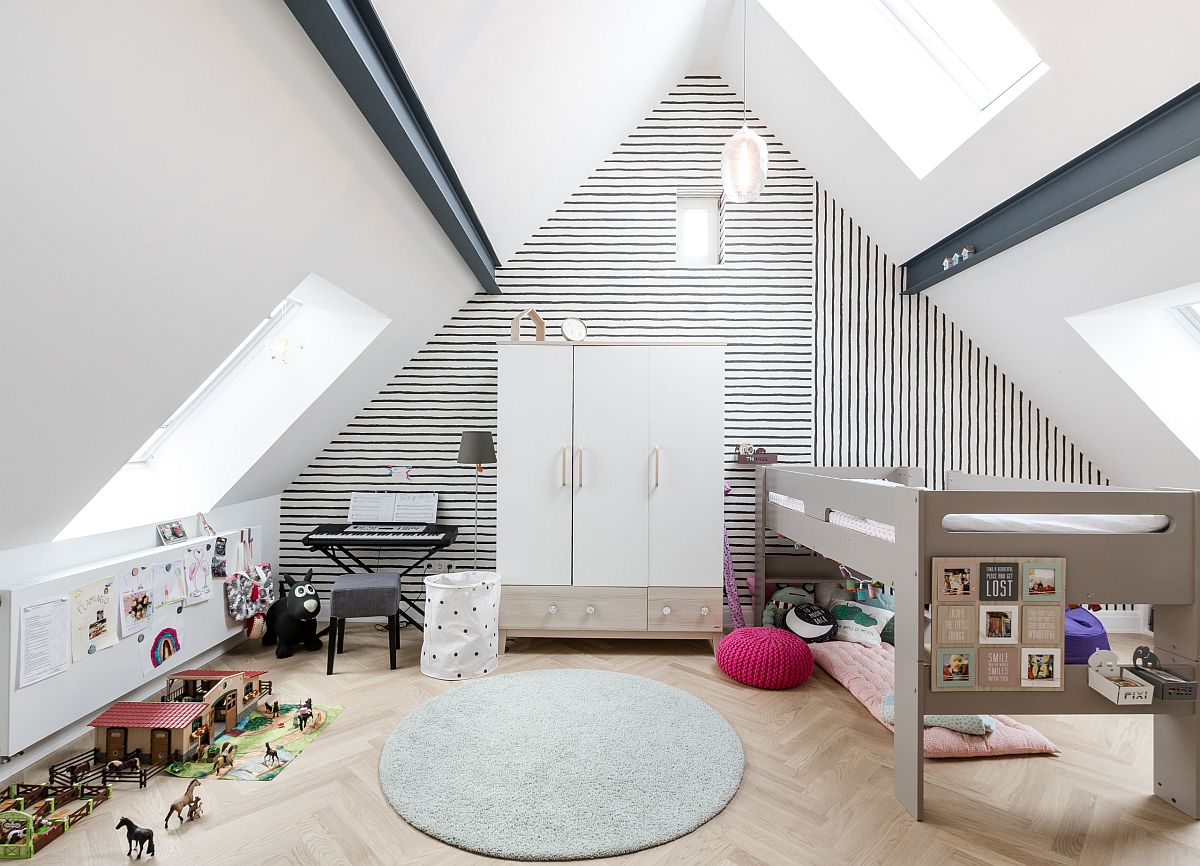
898 384
801 296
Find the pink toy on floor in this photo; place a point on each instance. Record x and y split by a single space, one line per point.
766 658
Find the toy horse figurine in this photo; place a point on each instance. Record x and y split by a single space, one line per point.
143 836
272 756
292 620
133 762
182 803
194 810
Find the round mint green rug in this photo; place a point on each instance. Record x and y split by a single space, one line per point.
561 765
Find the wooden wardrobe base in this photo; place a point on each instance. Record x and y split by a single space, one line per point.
714 638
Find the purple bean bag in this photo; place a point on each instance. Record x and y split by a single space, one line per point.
1085 635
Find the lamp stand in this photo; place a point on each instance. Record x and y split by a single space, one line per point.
476 539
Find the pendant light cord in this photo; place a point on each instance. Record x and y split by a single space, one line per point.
745 82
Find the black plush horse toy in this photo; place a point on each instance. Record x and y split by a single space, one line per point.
143 836
292 619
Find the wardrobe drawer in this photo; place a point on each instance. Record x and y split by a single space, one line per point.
615 608
675 608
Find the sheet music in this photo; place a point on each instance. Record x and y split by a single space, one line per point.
393 507
371 507
416 507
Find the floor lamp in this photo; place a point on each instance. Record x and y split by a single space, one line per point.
477 448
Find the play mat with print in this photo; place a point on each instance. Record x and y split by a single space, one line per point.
262 745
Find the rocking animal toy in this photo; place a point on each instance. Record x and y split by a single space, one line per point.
182 803
272 756
292 620
143 836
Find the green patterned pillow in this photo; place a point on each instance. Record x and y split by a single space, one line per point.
964 724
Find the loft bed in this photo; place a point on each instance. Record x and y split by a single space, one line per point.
1122 545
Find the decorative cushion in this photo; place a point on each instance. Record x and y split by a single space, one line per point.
766 658
1084 635
813 623
860 623
964 724
868 673
828 593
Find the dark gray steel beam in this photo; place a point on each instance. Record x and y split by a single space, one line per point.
1163 139
353 42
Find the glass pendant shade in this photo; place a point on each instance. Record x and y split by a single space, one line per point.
744 165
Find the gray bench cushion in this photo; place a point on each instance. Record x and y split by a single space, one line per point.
365 595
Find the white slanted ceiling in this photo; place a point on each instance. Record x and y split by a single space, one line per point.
170 173
1110 62
528 96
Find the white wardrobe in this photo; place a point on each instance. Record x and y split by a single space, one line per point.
610 484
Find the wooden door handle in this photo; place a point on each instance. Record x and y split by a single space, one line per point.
657 462
581 467
564 466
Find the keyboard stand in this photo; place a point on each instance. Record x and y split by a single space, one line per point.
413 601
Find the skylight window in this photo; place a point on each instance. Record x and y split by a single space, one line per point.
255 344
239 412
1153 344
925 74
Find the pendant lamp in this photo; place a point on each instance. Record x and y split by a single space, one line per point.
744 157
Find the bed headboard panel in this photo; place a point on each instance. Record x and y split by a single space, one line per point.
1154 568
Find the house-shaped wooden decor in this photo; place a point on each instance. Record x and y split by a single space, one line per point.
539 325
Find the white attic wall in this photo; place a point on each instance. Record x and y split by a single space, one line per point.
1110 62
170 172
1015 307
528 96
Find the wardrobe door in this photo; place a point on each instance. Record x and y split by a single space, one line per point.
686 452
533 453
611 427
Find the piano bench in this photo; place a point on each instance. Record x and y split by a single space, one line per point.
359 595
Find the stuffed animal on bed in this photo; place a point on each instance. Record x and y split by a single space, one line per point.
292 620
784 600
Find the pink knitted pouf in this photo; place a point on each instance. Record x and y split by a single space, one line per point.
766 658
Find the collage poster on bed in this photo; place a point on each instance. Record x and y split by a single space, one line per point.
998 623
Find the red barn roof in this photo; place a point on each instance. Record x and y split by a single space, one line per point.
205 674
138 714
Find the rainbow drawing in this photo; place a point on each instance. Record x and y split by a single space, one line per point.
166 643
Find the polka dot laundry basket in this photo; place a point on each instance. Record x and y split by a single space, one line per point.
462 612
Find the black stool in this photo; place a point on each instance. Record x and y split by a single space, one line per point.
357 595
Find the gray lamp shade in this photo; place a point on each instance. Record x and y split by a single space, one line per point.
476 447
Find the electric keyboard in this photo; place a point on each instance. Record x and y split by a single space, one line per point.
381 535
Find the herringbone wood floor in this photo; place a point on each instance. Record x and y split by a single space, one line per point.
817 788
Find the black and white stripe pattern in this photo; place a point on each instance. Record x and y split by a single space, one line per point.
608 256
898 384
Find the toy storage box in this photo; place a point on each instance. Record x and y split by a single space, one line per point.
1119 693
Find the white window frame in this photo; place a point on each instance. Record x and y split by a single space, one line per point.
1190 318
257 340
932 44
714 203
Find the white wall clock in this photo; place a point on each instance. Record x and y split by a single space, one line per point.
574 330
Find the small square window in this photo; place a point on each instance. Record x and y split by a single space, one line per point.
698 227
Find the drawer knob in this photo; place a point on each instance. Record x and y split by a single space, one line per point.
704 611
591 609
666 610
552 608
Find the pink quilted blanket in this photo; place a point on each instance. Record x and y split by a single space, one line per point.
867 673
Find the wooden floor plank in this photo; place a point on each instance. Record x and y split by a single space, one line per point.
817 788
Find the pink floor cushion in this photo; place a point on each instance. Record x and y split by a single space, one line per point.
867 672
766 658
